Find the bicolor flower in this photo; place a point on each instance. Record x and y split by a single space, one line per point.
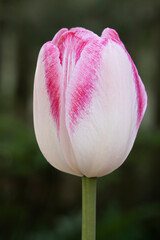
88 102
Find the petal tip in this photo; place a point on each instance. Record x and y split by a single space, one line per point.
109 33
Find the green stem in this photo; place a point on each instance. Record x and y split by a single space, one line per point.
88 208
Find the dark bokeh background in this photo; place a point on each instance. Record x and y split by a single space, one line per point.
37 201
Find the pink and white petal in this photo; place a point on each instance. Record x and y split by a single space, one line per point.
109 33
71 44
46 107
79 94
104 131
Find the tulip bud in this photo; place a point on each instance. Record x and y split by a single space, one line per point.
88 102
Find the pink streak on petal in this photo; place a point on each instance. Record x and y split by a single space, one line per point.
80 48
51 58
70 42
64 44
83 82
82 97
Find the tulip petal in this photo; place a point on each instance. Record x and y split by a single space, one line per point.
47 106
102 112
70 44
79 95
109 33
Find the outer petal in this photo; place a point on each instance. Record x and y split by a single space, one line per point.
109 33
105 129
47 106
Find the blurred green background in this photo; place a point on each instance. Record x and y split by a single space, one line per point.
37 201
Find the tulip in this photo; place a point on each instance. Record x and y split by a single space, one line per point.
89 102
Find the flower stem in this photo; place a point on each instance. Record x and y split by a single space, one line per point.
88 208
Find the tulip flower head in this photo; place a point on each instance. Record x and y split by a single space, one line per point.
88 102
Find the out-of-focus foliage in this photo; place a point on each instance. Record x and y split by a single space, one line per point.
37 201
